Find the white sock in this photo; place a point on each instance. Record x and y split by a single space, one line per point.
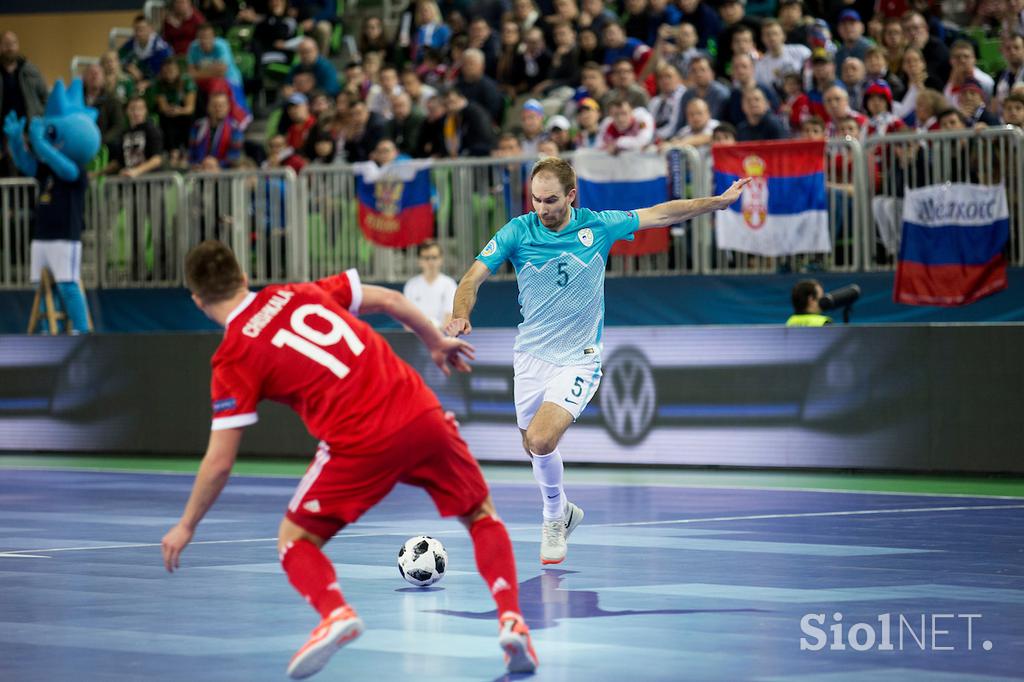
547 470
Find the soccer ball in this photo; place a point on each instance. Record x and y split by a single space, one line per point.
422 560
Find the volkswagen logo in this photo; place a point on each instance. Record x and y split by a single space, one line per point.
627 397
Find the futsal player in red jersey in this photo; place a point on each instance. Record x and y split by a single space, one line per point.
377 422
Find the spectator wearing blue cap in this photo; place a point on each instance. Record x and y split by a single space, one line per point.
852 42
531 118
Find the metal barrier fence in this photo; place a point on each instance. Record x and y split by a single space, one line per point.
257 213
472 198
134 231
288 227
897 162
17 204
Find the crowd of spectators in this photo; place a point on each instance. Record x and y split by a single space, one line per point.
483 77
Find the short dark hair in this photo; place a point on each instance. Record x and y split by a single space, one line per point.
702 58
950 112
803 290
725 127
560 168
812 121
1014 97
963 45
140 18
212 272
205 27
429 244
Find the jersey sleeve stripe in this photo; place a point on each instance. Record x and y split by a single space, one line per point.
357 290
234 421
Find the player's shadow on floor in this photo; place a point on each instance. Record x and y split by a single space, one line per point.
544 603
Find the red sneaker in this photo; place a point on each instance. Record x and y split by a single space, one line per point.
334 632
514 638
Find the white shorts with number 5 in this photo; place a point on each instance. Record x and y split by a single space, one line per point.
570 386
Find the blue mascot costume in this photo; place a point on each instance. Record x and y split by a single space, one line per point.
62 142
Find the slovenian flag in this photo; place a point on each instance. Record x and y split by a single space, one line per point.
951 252
394 203
784 209
624 182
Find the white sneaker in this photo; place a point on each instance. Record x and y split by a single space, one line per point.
552 542
573 518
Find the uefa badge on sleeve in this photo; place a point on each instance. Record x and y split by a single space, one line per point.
586 236
489 250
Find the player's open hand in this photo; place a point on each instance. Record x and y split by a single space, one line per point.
173 544
730 195
453 352
458 326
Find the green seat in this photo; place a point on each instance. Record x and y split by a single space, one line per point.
246 63
990 56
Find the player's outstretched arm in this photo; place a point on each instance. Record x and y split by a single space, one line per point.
465 299
674 212
444 351
211 479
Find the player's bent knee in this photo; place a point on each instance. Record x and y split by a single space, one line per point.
290 532
483 510
541 444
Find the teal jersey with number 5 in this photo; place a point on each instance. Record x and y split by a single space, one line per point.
561 279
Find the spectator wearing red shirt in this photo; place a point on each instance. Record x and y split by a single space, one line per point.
811 103
180 27
302 123
626 128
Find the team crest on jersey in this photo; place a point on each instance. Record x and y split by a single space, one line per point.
586 236
489 250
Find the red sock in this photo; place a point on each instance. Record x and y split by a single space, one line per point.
311 573
496 563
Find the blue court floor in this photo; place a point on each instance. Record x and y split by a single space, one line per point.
662 583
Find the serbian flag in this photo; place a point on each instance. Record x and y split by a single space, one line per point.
952 247
784 209
394 203
624 182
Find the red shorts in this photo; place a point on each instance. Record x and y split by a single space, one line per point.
428 452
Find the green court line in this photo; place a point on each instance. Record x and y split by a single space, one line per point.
520 473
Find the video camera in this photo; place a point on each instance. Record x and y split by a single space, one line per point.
843 297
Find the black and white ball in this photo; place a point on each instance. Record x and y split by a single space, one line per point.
422 560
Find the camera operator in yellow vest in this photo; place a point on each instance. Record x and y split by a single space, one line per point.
806 307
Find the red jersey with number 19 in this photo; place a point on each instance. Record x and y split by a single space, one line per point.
302 345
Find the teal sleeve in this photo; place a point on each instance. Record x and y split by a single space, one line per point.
619 224
499 249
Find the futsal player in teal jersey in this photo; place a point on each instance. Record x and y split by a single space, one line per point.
559 254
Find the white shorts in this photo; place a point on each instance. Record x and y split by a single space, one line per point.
570 387
63 257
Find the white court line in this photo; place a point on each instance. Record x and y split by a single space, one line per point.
861 512
752 517
23 556
525 481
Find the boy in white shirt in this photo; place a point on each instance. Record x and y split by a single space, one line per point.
432 291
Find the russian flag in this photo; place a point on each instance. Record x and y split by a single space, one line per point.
784 209
624 182
394 203
952 247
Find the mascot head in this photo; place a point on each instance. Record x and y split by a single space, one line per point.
70 125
